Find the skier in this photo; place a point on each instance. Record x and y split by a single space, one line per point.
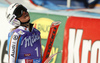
24 42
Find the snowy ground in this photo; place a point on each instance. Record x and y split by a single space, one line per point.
4 25
4 28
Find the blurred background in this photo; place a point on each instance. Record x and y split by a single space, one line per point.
58 4
43 13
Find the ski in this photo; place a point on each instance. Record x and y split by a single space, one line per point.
50 40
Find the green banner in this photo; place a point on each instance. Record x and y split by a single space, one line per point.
40 20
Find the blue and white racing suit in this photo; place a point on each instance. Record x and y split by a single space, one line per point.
24 46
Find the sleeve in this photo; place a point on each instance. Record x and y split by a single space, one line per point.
13 42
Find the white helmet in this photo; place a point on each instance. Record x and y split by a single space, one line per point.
14 11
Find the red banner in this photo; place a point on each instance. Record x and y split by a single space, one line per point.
81 40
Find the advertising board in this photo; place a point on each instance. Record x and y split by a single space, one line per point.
81 40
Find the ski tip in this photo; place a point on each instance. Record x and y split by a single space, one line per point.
56 23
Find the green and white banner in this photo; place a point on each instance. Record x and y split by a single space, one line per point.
43 22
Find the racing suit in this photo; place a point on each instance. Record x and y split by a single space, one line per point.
24 46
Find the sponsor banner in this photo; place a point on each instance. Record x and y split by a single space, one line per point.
81 40
43 21
43 25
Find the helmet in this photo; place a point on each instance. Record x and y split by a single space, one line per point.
13 12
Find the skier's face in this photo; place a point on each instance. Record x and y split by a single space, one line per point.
25 17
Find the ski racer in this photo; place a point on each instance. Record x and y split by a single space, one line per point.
24 42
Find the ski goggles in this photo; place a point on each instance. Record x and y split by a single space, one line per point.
19 11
